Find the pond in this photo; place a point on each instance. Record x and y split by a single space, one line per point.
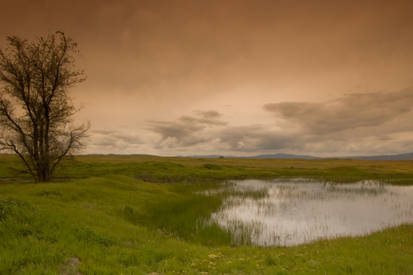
297 211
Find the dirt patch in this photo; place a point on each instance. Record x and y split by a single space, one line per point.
71 267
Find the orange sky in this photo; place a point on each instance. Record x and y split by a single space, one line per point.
236 77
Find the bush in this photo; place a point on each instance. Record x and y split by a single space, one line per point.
212 166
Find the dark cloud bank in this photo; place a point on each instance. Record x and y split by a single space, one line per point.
346 113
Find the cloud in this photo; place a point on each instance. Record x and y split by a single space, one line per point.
176 133
232 138
348 112
113 139
257 138
210 118
354 124
362 123
187 130
128 138
211 114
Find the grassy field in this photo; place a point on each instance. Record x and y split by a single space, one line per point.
140 215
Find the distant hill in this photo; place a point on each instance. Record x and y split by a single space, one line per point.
281 156
407 156
269 156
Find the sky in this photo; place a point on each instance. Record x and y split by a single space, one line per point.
235 77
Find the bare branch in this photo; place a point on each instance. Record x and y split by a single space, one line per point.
35 108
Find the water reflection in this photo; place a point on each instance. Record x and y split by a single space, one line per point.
292 212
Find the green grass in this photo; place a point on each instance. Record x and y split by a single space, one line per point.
137 215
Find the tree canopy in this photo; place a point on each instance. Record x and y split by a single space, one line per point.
36 111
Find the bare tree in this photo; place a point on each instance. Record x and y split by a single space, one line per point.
35 109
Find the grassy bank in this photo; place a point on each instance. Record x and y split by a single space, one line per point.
113 215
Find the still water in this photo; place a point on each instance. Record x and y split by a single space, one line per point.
297 211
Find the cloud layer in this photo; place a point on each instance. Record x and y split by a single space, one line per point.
150 64
187 130
346 113
360 123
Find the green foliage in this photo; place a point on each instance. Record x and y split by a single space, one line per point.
110 216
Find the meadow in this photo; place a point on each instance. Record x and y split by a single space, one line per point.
148 215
